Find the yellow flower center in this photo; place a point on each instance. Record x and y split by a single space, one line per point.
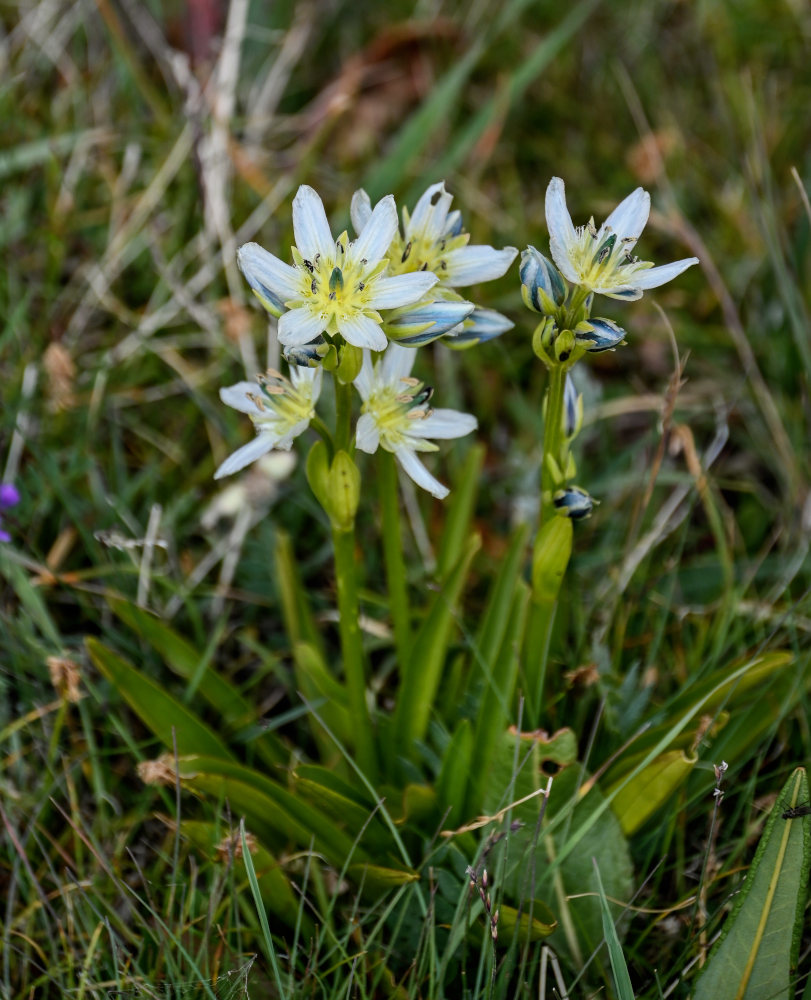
422 254
395 409
338 284
607 262
282 402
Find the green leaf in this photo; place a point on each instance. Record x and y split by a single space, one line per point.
256 892
298 617
451 784
619 969
637 800
31 599
328 696
526 928
184 660
457 527
380 878
274 886
568 877
756 956
496 702
338 801
421 676
168 718
267 805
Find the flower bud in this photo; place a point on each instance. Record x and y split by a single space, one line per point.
423 322
477 328
307 355
542 287
573 502
565 343
598 335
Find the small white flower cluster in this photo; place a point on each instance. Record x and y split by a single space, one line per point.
388 291
592 261
587 261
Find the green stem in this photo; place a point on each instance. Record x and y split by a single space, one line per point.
352 648
393 555
542 612
553 441
343 415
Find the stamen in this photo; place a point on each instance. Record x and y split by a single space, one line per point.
606 248
406 252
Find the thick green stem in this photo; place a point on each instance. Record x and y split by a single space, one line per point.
542 612
343 415
553 441
352 648
393 555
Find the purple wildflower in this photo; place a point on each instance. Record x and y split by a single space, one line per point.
9 497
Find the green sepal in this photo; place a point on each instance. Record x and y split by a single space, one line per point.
330 360
540 341
564 345
350 364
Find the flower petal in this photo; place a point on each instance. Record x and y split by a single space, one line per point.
429 219
414 468
444 424
396 364
9 496
284 442
562 234
237 396
360 210
268 276
453 224
469 265
261 445
629 218
655 276
365 380
367 435
482 325
426 321
361 331
376 236
301 376
401 289
299 326
310 225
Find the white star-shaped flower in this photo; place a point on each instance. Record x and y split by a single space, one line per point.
601 260
396 415
433 240
334 286
280 409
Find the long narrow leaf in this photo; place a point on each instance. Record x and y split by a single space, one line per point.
421 680
169 719
757 954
